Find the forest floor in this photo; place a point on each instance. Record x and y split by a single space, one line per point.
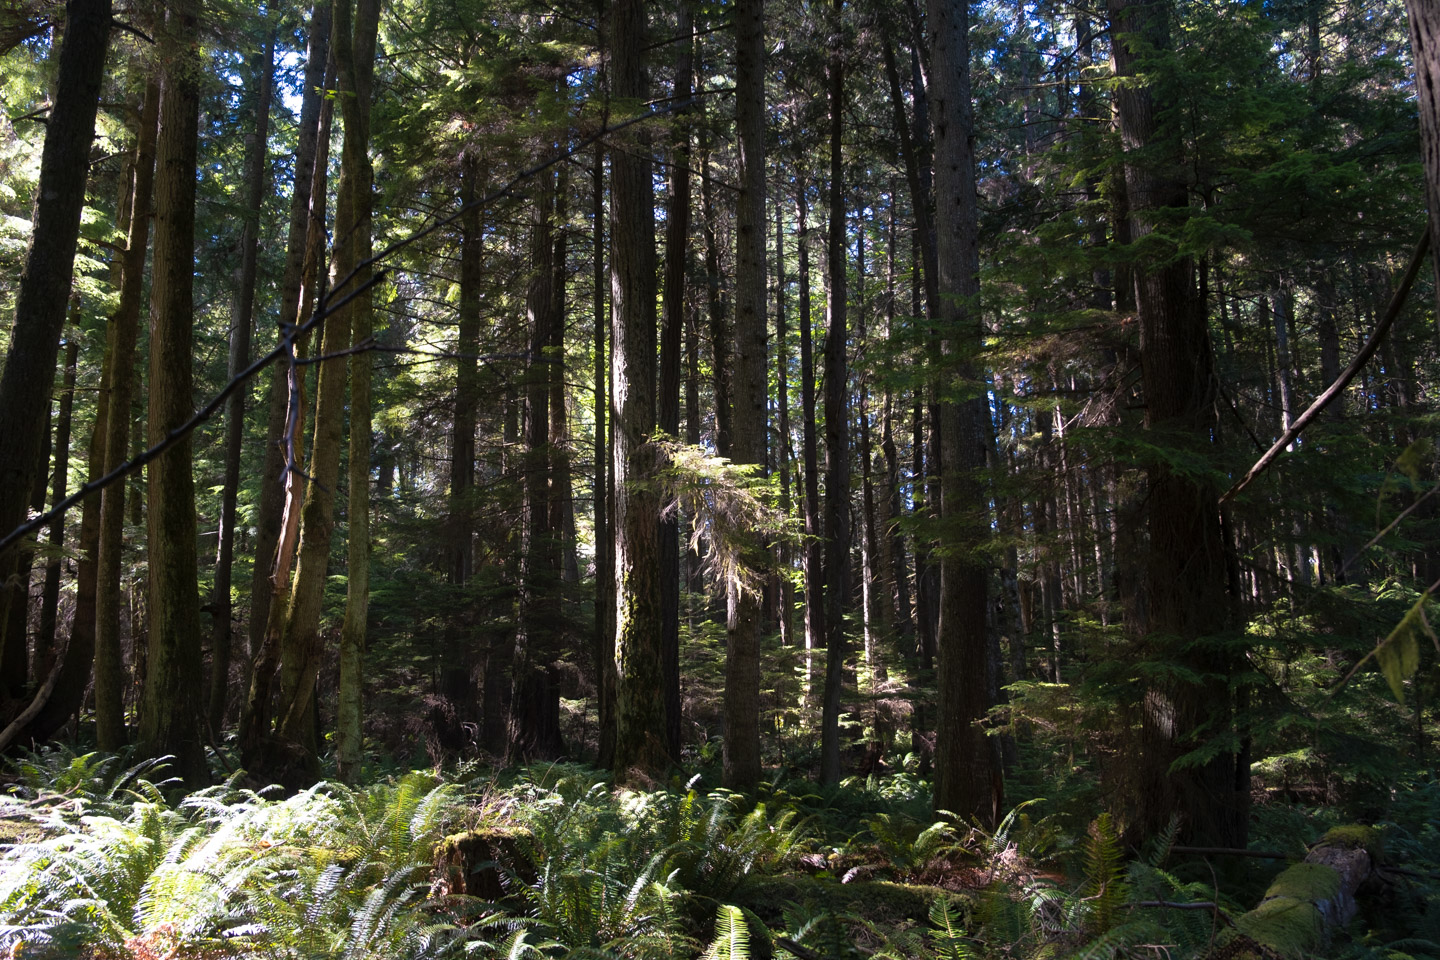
99 857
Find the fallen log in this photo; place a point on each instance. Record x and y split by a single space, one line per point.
1307 902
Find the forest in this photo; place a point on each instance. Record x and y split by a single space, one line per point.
719 478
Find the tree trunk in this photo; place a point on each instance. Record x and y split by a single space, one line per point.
837 430
348 725
50 593
967 770
718 322
639 709
742 660
28 378
1425 51
262 75
114 445
274 478
171 720
604 536
467 373
353 37
811 562
672 319
539 620
1185 589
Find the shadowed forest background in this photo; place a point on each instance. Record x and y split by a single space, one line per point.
803 479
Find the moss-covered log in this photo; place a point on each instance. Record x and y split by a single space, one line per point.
1307 902
483 863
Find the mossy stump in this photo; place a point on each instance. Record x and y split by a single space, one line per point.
480 863
1307 902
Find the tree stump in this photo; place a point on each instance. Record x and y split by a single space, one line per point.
483 863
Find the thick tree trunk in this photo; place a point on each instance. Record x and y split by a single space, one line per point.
1185 589
742 661
639 709
40 303
967 770
171 721
262 74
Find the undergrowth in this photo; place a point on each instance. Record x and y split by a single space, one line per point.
99 861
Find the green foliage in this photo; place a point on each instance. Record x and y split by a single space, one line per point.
732 935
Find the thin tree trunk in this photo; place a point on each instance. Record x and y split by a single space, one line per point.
815 634
782 453
604 536
115 437
535 647
262 73
50 592
270 509
467 373
837 432
349 704
720 338
672 319
353 37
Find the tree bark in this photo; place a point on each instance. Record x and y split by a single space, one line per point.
742 661
40 303
837 429
639 712
348 724
170 711
967 771
262 75
1186 583
353 37
275 481
672 320
114 445
50 592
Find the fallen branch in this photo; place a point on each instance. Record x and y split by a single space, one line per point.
1341 382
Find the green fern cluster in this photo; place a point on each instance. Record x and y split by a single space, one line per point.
330 872
630 875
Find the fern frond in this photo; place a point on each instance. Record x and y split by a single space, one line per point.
732 935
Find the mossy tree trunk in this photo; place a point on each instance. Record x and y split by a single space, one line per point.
639 707
171 721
